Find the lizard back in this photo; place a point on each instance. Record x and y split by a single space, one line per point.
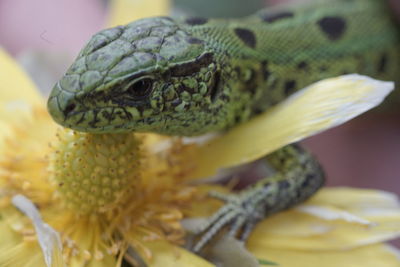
277 51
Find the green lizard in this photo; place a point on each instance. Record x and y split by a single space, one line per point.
192 76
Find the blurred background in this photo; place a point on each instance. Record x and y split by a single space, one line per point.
46 35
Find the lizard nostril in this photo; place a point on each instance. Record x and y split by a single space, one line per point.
70 108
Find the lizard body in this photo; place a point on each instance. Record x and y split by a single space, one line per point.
193 76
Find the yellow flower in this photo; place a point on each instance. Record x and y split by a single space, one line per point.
95 226
95 202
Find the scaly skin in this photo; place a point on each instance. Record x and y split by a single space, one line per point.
298 175
193 76
189 77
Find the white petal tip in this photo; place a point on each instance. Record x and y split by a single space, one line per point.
49 239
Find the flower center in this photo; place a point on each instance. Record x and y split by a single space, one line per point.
94 172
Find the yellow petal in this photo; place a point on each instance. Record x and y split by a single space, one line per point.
379 207
5 130
17 249
338 226
368 256
9 225
167 255
321 106
125 11
15 84
356 198
17 95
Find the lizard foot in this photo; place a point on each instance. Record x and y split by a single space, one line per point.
240 214
297 176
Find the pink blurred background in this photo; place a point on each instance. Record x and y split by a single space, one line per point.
363 153
55 25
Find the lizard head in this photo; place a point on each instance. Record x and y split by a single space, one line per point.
150 75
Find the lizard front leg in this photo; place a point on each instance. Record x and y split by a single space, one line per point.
297 176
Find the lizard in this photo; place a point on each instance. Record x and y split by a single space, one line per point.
191 76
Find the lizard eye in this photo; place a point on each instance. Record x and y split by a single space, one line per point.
71 107
140 88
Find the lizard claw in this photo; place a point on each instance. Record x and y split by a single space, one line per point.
240 213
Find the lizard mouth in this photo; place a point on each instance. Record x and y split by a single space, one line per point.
108 119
